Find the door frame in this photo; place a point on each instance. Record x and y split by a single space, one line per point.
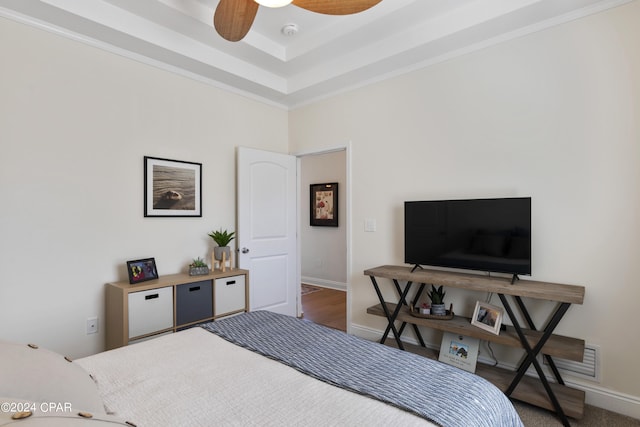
346 147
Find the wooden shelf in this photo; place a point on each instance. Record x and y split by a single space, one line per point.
529 390
172 279
556 346
569 402
523 288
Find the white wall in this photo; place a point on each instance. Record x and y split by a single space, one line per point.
553 115
75 124
323 249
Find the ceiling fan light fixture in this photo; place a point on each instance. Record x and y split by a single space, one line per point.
274 3
233 18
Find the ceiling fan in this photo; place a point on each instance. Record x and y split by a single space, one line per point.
233 18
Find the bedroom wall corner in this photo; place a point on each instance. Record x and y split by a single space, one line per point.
552 115
76 123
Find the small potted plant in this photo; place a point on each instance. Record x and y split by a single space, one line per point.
437 301
198 267
222 239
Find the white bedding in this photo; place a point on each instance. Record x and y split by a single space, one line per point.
195 378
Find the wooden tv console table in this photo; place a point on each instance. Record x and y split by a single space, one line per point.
556 396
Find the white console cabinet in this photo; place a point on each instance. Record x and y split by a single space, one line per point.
171 303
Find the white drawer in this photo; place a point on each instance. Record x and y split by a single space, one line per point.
229 295
150 311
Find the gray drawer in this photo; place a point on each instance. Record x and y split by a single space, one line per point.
194 301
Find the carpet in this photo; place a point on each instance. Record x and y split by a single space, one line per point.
593 417
308 289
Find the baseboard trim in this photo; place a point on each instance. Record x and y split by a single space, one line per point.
314 281
608 399
595 395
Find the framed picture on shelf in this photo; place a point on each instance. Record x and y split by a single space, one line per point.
172 188
324 204
141 270
459 351
488 317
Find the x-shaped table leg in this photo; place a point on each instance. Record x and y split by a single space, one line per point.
402 300
533 352
532 326
391 317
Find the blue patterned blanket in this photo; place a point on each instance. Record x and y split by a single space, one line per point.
438 392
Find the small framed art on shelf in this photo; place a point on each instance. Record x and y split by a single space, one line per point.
488 317
459 351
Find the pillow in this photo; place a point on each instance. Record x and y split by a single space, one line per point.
20 412
39 375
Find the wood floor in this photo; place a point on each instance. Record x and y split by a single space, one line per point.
327 307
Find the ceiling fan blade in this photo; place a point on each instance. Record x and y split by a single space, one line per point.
233 18
336 7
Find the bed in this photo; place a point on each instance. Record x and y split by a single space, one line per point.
254 369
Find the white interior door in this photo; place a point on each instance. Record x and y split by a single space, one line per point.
267 224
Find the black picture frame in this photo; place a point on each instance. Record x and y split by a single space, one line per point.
142 270
172 188
324 204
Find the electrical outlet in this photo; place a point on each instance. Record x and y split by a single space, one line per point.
92 325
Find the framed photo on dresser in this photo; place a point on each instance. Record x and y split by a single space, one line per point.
141 270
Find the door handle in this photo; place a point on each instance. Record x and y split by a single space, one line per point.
245 250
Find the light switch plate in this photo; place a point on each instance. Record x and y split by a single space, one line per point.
369 224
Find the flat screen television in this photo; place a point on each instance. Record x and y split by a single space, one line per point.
491 235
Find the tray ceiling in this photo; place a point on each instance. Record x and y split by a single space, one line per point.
327 55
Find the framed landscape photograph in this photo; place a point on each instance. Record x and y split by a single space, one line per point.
487 317
324 204
141 270
172 188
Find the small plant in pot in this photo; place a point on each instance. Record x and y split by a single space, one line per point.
437 301
198 267
222 239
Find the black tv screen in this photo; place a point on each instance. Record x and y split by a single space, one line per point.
480 234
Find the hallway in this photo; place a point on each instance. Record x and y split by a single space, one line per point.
325 306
